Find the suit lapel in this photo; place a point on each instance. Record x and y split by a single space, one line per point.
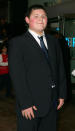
50 53
49 46
35 44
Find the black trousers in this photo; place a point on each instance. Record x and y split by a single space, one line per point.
46 123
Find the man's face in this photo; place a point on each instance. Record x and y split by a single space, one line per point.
37 20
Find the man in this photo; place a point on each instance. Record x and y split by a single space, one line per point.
37 73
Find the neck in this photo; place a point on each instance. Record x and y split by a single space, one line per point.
39 33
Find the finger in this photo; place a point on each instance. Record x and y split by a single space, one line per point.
59 106
29 116
32 114
26 116
34 107
23 113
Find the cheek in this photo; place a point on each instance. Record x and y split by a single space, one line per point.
32 22
45 21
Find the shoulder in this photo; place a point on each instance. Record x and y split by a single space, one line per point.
17 41
17 38
52 40
18 44
20 39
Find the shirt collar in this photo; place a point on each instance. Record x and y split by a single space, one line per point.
35 34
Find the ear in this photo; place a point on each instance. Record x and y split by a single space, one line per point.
27 20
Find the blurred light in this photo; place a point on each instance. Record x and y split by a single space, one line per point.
57 28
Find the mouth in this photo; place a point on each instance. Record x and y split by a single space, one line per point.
40 23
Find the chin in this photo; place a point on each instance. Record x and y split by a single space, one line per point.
41 29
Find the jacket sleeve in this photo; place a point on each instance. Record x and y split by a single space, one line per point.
17 72
62 86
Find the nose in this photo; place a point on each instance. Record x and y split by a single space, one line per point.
40 18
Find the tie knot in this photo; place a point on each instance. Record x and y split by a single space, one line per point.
41 38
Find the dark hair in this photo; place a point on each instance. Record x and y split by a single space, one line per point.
34 7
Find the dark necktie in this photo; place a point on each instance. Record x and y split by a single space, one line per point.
44 49
43 46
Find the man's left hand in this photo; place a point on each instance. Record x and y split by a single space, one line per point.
61 102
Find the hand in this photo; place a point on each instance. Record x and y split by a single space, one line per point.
28 113
61 102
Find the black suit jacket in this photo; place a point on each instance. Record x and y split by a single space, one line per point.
33 76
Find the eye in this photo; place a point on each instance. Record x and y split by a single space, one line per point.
44 16
36 16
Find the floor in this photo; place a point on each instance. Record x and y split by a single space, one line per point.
8 115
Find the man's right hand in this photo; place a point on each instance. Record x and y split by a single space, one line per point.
28 113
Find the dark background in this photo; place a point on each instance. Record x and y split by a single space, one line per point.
14 11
